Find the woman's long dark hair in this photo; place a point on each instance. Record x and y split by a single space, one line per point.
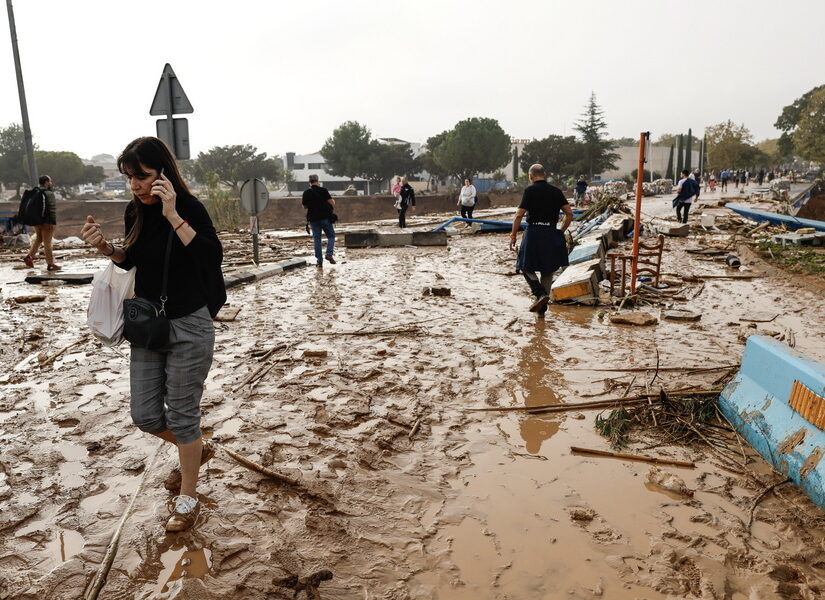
153 153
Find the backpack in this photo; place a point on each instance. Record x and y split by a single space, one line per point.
32 210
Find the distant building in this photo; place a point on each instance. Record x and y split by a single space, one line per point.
304 165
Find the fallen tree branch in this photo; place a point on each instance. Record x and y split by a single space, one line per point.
610 402
60 353
761 495
108 558
640 457
655 368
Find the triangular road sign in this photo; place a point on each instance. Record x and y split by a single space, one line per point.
179 102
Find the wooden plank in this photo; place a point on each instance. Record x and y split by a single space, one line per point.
73 278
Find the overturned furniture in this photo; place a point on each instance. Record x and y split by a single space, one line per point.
777 402
650 264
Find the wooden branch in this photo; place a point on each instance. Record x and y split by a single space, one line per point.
608 403
654 368
54 357
108 558
640 457
259 468
761 495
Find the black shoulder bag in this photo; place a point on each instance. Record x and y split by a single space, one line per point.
144 322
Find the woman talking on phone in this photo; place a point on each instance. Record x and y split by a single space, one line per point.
171 242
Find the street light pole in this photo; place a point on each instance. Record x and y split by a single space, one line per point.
27 131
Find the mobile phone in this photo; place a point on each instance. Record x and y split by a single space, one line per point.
159 176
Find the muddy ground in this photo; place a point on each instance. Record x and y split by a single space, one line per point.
405 493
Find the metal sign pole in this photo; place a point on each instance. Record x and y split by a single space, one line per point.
255 257
21 91
170 118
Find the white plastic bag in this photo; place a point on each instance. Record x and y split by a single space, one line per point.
110 287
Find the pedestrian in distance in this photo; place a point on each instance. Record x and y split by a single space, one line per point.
686 190
44 232
581 189
395 190
697 177
543 247
320 206
724 176
171 242
406 201
467 199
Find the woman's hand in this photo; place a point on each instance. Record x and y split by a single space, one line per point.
92 234
163 189
512 242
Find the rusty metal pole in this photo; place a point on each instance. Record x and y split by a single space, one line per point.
640 177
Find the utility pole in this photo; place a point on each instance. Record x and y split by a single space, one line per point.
27 131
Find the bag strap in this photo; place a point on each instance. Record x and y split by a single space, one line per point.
163 297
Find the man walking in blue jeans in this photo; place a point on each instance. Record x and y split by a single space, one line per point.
319 205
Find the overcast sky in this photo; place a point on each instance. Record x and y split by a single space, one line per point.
282 75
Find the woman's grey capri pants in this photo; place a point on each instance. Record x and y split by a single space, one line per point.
167 384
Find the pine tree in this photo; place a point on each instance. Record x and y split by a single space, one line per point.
598 155
669 171
689 150
679 158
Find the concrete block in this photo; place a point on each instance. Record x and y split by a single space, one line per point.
429 238
681 315
360 240
777 402
579 283
671 229
236 279
616 228
799 239
291 263
638 317
389 240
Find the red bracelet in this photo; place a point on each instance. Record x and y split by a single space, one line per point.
181 225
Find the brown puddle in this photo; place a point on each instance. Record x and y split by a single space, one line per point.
178 562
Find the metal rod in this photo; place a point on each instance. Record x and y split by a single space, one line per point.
170 115
21 91
640 177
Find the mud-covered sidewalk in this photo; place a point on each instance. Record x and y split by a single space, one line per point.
362 391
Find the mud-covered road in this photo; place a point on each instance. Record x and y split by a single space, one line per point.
405 493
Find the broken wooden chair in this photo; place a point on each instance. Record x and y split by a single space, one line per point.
650 263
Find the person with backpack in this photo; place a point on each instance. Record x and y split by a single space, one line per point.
686 191
38 209
407 195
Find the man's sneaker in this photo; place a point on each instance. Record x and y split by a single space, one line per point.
540 303
173 480
53 267
28 260
185 513
330 259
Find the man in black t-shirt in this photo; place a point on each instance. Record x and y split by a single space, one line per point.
543 247
319 205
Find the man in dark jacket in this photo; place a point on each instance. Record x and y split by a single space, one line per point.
543 247
407 200
686 192
44 233
319 205
581 188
